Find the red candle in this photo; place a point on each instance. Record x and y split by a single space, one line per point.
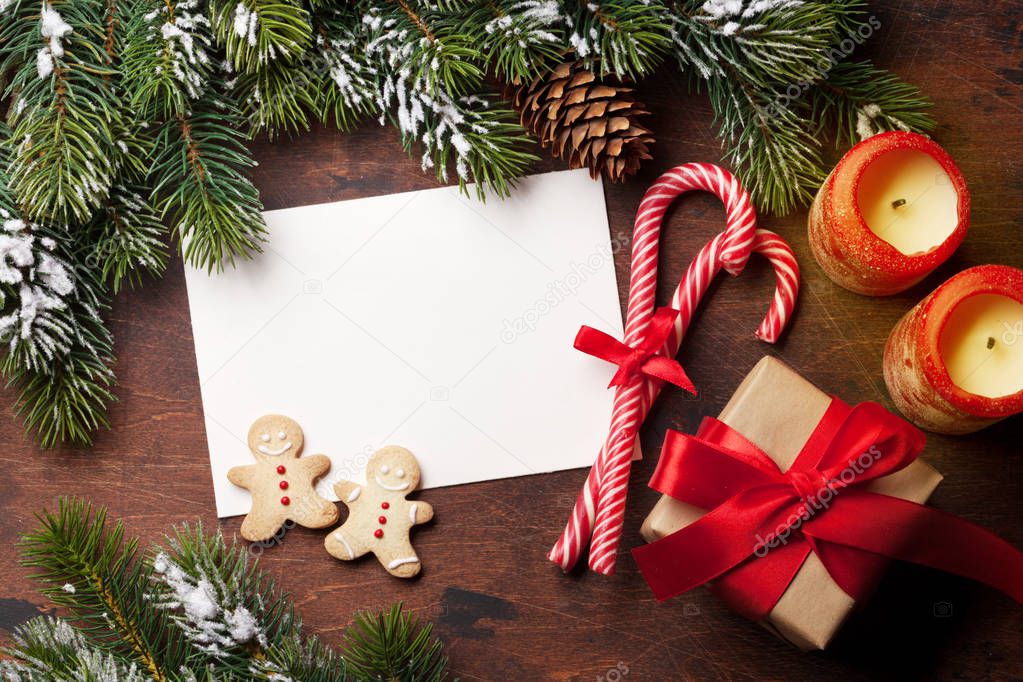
893 209
954 363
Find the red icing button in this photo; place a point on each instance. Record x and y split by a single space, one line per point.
385 505
284 485
281 469
285 500
382 520
378 533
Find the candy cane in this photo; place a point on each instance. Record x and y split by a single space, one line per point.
600 506
610 506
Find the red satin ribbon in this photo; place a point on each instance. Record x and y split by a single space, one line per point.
819 505
645 358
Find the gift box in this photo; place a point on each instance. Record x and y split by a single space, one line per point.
778 411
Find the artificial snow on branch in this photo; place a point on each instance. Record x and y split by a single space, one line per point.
35 287
778 85
126 239
58 351
196 608
520 37
62 115
130 122
422 85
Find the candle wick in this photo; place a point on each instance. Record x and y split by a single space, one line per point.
990 342
898 202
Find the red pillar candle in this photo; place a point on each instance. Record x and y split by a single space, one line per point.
954 363
893 209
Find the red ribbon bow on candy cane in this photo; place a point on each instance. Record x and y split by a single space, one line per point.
600 507
764 523
645 357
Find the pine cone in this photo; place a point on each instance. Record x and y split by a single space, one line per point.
592 123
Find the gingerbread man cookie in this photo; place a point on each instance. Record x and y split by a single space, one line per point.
281 483
380 517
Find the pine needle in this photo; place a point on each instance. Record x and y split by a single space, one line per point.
195 608
129 123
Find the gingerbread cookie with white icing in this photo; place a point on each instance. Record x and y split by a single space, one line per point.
280 481
380 517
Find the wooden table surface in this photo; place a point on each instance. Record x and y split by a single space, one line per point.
503 609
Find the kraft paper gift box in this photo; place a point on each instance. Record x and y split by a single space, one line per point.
777 410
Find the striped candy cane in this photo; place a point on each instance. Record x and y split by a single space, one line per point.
600 506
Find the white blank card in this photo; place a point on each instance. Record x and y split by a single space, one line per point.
424 319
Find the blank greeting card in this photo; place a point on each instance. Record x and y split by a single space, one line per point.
425 319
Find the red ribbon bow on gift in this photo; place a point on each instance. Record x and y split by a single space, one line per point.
763 523
645 358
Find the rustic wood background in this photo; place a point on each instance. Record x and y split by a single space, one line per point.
503 609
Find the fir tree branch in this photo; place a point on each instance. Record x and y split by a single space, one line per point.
770 146
200 161
97 574
344 91
167 61
624 38
198 175
393 646
275 98
520 38
423 45
483 142
132 144
37 289
64 110
58 350
255 33
848 16
197 608
126 239
66 400
858 100
777 84
766 44
229 611
49 649
297 658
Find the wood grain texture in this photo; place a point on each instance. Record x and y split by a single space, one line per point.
503 609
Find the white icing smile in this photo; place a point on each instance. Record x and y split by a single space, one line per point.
390 487
404 560
273 453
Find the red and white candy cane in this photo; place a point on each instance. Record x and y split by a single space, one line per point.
600 506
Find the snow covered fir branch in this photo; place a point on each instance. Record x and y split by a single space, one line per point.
195 608
128 122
